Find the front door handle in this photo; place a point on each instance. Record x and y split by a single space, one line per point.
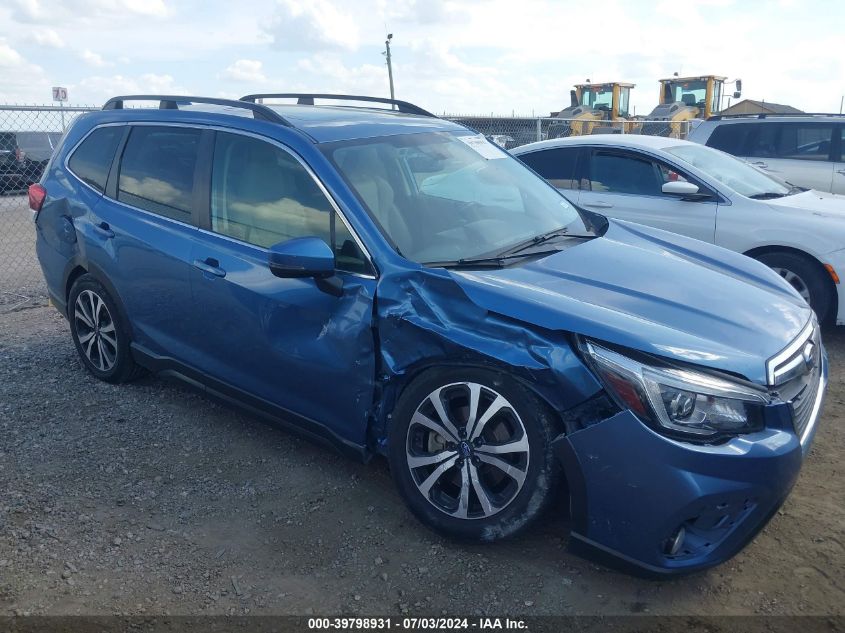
760 164
840 171
104 230
210 266
599 205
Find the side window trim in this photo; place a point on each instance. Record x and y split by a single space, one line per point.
111 180
201 200
204 212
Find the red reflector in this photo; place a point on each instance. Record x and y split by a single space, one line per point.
37 194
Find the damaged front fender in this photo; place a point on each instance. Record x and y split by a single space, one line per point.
425 319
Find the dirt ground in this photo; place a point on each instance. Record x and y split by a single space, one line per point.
149 499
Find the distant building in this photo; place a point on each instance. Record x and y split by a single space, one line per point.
749 106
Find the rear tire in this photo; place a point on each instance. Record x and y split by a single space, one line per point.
806 276
99 332
479 477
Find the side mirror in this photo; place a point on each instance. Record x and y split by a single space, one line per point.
306 257
573 98
739 85
301 257
680 188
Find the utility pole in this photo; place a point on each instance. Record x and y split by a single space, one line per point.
389 66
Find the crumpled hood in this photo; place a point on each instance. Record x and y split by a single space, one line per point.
824 204
653 291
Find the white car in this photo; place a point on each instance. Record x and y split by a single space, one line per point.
703 193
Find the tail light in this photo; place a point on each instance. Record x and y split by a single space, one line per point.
19 154
37 195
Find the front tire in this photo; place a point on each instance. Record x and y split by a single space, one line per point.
805 276
99 333
470 452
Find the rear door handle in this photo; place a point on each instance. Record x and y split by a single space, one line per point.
840 171
210 266
599 205
760 164
104 230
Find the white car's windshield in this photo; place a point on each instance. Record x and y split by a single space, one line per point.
443 197
730 171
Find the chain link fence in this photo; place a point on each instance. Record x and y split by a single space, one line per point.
510 132
29 134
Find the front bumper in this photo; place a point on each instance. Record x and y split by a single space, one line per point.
631 489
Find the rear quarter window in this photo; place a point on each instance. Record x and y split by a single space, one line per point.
90 162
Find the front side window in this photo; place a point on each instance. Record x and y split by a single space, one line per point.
157 170
555 165
793 141
93 158
619 173
262 195
440 197
805 142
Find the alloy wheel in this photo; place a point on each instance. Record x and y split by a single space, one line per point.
95 330
795 281
467 450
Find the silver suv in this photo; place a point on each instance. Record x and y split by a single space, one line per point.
803 149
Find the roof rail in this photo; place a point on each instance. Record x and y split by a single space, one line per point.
308 99
766 115
171 102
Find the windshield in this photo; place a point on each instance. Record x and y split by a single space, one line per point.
597 97
730 171
446 197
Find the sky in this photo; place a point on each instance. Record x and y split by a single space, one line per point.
452 56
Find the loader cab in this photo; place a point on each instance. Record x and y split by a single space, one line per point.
704 94
610 99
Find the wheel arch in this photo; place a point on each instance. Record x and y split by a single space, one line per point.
76 270
756 252
396 386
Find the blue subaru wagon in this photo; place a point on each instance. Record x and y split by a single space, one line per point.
392 283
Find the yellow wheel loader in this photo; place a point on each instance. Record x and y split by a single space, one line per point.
591 105
684 99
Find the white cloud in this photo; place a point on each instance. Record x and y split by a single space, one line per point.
249 70
313 25
48 37
67 11
23 81
94 59
99 88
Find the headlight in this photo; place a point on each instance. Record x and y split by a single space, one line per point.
679 401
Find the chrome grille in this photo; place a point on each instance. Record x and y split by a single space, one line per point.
796 373
804 403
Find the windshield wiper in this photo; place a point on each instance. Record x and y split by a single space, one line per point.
540 239
496 261
767 195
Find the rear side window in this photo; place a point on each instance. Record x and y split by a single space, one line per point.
555 165
732 139
157 170
91 160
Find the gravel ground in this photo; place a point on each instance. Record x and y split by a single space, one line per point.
150 499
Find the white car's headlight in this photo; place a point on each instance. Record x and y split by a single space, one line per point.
679 401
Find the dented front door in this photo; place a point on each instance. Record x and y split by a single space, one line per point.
284 340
